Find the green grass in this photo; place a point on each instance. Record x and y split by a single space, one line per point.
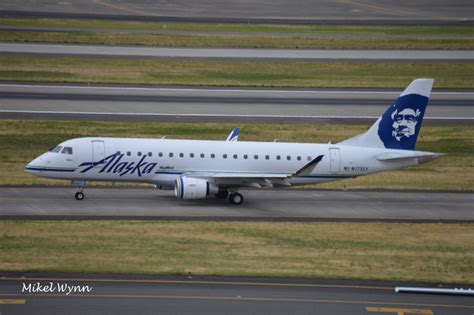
23 140
237 41
38 75
232 73
244 35
369 251
239 28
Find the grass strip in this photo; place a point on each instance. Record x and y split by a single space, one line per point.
21 141
240 28
238 41
232 73
368 251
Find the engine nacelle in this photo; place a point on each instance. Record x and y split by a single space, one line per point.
194 188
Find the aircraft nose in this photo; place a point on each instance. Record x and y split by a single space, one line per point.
34 165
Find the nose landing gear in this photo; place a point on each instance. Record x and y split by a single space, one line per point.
79 195
79 184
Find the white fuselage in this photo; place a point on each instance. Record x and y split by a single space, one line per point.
162 161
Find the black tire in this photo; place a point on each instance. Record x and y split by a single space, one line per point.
79 195
222 194
236 199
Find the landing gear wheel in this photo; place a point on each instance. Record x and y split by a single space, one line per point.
79 195
236 198
222 194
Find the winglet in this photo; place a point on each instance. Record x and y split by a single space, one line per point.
234 135
308 168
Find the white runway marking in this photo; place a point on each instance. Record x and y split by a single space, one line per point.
210 115
218 90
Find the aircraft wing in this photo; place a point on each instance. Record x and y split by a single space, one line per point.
257 180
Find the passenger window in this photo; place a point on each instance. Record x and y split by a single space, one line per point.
202 155
160 154
118 153
245 156
191 155
309 158
278 157
181 155
67 150
235 156
56 149
171 154
288 158
139 153
150 154
224 156
213 155
299 158
129 153
267 157
255 157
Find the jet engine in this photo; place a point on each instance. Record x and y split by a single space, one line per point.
194 188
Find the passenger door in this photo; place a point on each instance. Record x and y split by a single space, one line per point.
98 151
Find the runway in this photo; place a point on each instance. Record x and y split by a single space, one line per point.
238 53
218 104
352 12
125 294
259 205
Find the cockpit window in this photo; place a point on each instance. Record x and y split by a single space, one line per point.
55 149
67 150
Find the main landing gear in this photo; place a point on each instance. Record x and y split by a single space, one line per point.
236 199
222 194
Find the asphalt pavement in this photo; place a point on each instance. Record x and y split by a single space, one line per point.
238 53
352 12
259 205
128 294
218 104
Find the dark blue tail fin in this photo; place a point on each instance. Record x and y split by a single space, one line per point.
399 126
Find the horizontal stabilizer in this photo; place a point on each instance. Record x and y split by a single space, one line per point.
419 155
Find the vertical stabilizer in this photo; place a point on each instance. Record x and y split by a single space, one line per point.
399 126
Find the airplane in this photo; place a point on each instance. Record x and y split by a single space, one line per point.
196 169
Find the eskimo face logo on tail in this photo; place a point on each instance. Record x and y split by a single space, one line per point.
404 123
400 124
